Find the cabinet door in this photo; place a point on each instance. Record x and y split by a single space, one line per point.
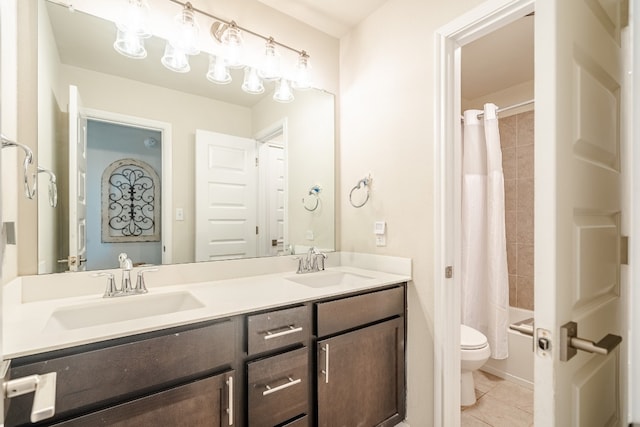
206 402
361 377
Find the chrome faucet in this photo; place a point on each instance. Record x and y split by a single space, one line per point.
314 261
126 265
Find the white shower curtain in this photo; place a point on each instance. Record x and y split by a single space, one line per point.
485 279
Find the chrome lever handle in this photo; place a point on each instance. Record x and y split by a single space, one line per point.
325 371
291 329
570 343
290 382
141 287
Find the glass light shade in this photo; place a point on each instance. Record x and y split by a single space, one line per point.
185 32
302 79
283 92
134 17
218 71
252 81
175 59
270 69
232 44
130 45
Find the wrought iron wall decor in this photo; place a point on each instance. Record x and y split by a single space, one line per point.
130 202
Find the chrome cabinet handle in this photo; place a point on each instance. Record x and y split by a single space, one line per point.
230 395
570 343
290 382
292 329
325 371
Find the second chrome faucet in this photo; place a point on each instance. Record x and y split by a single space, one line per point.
125 288
314 261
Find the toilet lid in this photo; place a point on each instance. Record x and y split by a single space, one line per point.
471 339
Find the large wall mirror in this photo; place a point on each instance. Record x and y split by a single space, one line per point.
234 175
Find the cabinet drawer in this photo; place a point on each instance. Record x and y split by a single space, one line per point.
107 375
275 329
200 403
346 313
278 388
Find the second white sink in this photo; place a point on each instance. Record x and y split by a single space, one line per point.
120 309
324 279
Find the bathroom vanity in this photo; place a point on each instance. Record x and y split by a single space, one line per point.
334 357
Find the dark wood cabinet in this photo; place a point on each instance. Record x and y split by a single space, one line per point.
361 373
205 402
252 370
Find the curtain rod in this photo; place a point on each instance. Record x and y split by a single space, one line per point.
511 107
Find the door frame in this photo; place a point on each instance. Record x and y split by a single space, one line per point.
166 204
449 40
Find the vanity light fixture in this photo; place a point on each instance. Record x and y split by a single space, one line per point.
133 28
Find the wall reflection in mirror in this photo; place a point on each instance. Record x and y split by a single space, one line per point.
233 169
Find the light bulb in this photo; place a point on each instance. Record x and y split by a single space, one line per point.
283 91
129 44
186 30
252 81
270 69
218 71
175 59
302 80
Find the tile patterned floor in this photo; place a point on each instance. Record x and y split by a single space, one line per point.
500 404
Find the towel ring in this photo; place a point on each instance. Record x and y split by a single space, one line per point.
53 186
315 192
364 182
29 192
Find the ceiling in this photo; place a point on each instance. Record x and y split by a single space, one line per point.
495 62
334 17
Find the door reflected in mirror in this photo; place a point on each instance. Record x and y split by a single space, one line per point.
233 168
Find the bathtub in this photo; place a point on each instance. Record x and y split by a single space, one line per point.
518 367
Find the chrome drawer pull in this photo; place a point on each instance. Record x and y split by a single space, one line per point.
230 408
292 329
291 382
325 371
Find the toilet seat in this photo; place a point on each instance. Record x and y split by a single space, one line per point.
471 339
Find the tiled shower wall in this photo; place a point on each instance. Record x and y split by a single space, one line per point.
516 138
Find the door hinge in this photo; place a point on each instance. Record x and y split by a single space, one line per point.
448 272
257 162
624 250
257 229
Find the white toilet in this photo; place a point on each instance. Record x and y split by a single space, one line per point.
474 352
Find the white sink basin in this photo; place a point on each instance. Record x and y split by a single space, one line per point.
324 279
118 309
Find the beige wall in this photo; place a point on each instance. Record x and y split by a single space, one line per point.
386 127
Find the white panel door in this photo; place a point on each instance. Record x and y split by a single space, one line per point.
579 210
272 198
77 182
226 196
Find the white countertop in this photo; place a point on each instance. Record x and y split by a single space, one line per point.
28 326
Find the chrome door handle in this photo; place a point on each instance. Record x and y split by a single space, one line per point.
289 383
325 371
291 329
230 396
570 343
